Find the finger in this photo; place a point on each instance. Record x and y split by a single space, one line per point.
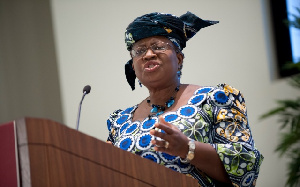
162 135
161 146
163 125
159 143
163 121
160 149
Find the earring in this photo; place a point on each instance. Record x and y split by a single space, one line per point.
140 83
179 73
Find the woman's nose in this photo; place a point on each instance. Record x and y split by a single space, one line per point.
149 55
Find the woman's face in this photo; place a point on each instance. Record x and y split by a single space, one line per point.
155 61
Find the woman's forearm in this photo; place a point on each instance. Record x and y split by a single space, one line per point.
208 161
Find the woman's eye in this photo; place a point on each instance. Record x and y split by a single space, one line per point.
140 51
158 47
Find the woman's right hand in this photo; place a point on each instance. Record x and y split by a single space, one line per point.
109 142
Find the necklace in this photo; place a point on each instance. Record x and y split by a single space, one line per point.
159 109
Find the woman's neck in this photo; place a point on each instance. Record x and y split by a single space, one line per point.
161 96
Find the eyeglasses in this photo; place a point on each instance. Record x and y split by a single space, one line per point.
156 48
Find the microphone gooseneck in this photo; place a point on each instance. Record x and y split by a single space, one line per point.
86 90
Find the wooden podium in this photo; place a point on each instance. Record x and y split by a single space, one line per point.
41 153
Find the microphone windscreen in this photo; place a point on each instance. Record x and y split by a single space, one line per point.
87 89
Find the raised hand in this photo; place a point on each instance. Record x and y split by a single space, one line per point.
173 141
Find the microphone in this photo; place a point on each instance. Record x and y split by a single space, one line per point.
86 90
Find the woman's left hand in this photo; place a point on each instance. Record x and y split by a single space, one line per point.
208 161
173 141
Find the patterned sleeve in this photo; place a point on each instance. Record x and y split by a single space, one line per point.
232 138
111 129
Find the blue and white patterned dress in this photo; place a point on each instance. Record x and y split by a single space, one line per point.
213 115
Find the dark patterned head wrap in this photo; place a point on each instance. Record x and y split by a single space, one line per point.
178 29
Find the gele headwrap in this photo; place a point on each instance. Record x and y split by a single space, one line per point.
178 29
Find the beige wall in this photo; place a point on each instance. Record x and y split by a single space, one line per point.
29 82
89 49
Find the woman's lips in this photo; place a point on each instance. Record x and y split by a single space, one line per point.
151 66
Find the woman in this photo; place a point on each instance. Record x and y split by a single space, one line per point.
199 131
